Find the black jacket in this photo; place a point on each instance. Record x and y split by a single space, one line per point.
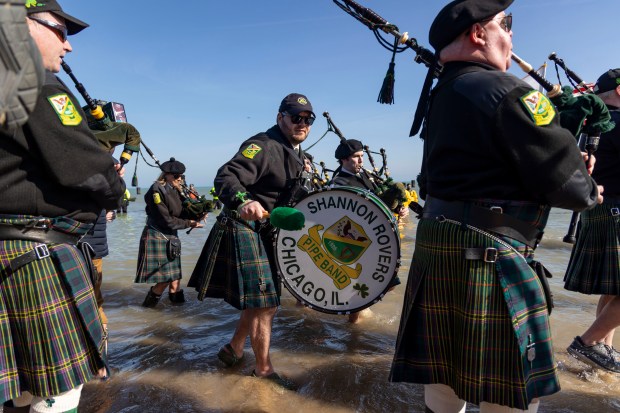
607 168
345 178
164 208
483 142
53 166
265 169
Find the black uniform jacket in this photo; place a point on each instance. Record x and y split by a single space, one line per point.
607 168
164 208
53 166
264 168
344 177
482 142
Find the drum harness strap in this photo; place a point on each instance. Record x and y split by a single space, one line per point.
38 231
487 218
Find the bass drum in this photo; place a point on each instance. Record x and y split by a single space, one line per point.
347 254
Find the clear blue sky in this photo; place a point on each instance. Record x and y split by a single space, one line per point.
197 77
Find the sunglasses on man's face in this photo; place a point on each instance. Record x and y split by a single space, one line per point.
296 119
58 28
504 22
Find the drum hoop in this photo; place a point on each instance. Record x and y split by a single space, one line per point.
394 227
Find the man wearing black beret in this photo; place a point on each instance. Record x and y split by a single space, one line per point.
475 321
350 156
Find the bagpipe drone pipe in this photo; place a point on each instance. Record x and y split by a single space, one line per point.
392 193
110 127
586 116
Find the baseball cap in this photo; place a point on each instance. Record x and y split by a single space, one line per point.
294 104
607 81
40 6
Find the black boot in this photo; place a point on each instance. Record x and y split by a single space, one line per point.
151 299
177 298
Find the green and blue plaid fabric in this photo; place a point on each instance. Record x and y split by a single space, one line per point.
594 266
480 328
237 264
153 263
51 338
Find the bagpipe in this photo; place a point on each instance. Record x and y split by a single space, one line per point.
195 206
392 193
111 129
576 112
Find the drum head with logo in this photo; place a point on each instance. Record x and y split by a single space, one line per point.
347 254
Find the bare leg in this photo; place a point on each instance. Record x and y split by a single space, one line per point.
159 288
605 323
353 317
241 332
174 286
260 322
602 303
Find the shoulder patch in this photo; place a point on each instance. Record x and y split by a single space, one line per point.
156 198
251 151
65 109
538 107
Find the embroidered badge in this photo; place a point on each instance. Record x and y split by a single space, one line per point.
251 151
538 107
156 198
33 3
302 101
65 109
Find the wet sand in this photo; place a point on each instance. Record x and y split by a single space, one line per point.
164 359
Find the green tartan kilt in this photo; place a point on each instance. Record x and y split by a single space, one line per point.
468 324
238 265
50 330
594 266
153 263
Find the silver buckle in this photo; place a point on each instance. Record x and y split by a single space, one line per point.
615 211
490 254
497 209
41 251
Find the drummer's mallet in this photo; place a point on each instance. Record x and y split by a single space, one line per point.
286 218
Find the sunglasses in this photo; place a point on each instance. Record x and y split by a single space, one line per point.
505 22
177 176
296 119
58 28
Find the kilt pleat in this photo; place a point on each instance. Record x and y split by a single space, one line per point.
153 263
51 334
236 264
594 266
468 324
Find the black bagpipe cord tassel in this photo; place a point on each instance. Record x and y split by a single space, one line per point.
386 95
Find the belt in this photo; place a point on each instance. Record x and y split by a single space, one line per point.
41 235
487 218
